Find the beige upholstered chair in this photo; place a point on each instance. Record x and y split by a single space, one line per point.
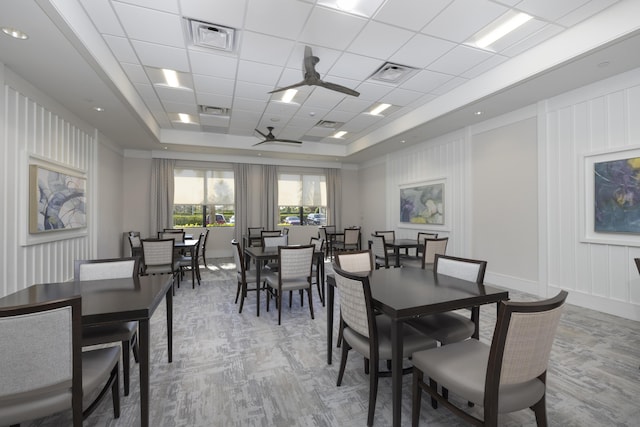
135 244
44 370
294 274
356 261
379 250
452 327
186 262
159 257
350 242
243 276
123 332
389 237
273 241
421 236
254 236
203 248
368 334
318 244
177 235
507 376
432 247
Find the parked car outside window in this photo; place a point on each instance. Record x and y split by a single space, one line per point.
292 220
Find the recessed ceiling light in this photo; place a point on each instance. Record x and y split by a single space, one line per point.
379 109
288 95
15 33
339 134
506 24
171 77
478 113
98 109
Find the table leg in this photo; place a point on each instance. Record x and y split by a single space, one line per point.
143 350
169 301
396 370
330 298
258 289
396 252
193 268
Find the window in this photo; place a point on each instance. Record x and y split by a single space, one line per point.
203 197
302 199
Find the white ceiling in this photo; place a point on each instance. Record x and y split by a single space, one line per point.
107 53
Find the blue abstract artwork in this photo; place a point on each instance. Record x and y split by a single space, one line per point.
617 196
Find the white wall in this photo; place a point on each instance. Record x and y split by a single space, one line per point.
109 201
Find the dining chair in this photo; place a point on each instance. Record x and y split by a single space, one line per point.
432 247
125 333
294 274
177 235
269 241
159 257
379 251
355 261
254 236
188 262
506 376
318 244
243 276
389 238
421 237
350 242
452 327
203 248
44 370
135 245
322 233
367 333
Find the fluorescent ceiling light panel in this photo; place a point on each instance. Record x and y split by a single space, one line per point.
379 109
500 28
339 134
364 8
171 77
184 118
289 95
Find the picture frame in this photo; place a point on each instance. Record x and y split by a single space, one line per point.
423 204
611 197
57 198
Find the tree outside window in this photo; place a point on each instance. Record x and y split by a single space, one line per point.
203 198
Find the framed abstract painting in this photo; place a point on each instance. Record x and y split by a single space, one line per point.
423 203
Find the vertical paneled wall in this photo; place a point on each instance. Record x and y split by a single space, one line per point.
598 118
441 158
29 127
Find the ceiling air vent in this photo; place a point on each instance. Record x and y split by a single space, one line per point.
211 36
214 111
327 124
393 73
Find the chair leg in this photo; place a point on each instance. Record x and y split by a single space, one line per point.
125 366
310 301
343 362
279 302
238 292
115 395
417 396
434 387
373 391
134 347
540 410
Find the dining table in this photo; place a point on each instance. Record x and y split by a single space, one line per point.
189 245
399 244
261 255
113 300
407 293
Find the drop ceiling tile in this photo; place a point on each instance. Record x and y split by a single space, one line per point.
311 112
360 123
281 18
340 116
211 120
242 118
324 98
213 85
459 60
165 5
521 33
484 66
249 104
326 57
586 11
253 91
150 97
421 51
535 39
103 17
178 107
255 72
208 64
355 67
159 56
214 100
379 40
121 49
449 85
222 12
192 127
463 18
266 49
341 32
425 81
281 109
401 97
167 93
135 73
151 25
550 10
355 105
395 12
372 91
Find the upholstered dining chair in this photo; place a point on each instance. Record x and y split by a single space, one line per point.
379 251
44 370
432 247
322 234
243 276
134 243
273 241
421 236
188 262
294 274
159 257
506 376
254 236
350 242
389 237
318 244
355 261
203 248
368 334
122 332
452 327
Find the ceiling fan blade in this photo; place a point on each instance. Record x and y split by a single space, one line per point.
338 88
261 142
302 83
262 134
288 141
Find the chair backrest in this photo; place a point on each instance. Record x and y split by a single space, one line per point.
255 231
158 252
521 344
134 242
176 235
355 261
356 309
295 261
318 243
274 241
41 359
351 236
285 231
322 233
462 268
423 235
238 258
173 230
379 250
99 269
134 233
433 247
204 241
389 236
331 229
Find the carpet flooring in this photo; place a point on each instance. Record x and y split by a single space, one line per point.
232 369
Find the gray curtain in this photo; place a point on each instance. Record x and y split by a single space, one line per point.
269 197
161 195
241 191
334 197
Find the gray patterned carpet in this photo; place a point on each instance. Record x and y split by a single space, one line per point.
233 369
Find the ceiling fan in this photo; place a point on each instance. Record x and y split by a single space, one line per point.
312 77
269 137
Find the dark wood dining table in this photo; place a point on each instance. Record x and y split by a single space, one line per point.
113 300
398 244
262 255
407 293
